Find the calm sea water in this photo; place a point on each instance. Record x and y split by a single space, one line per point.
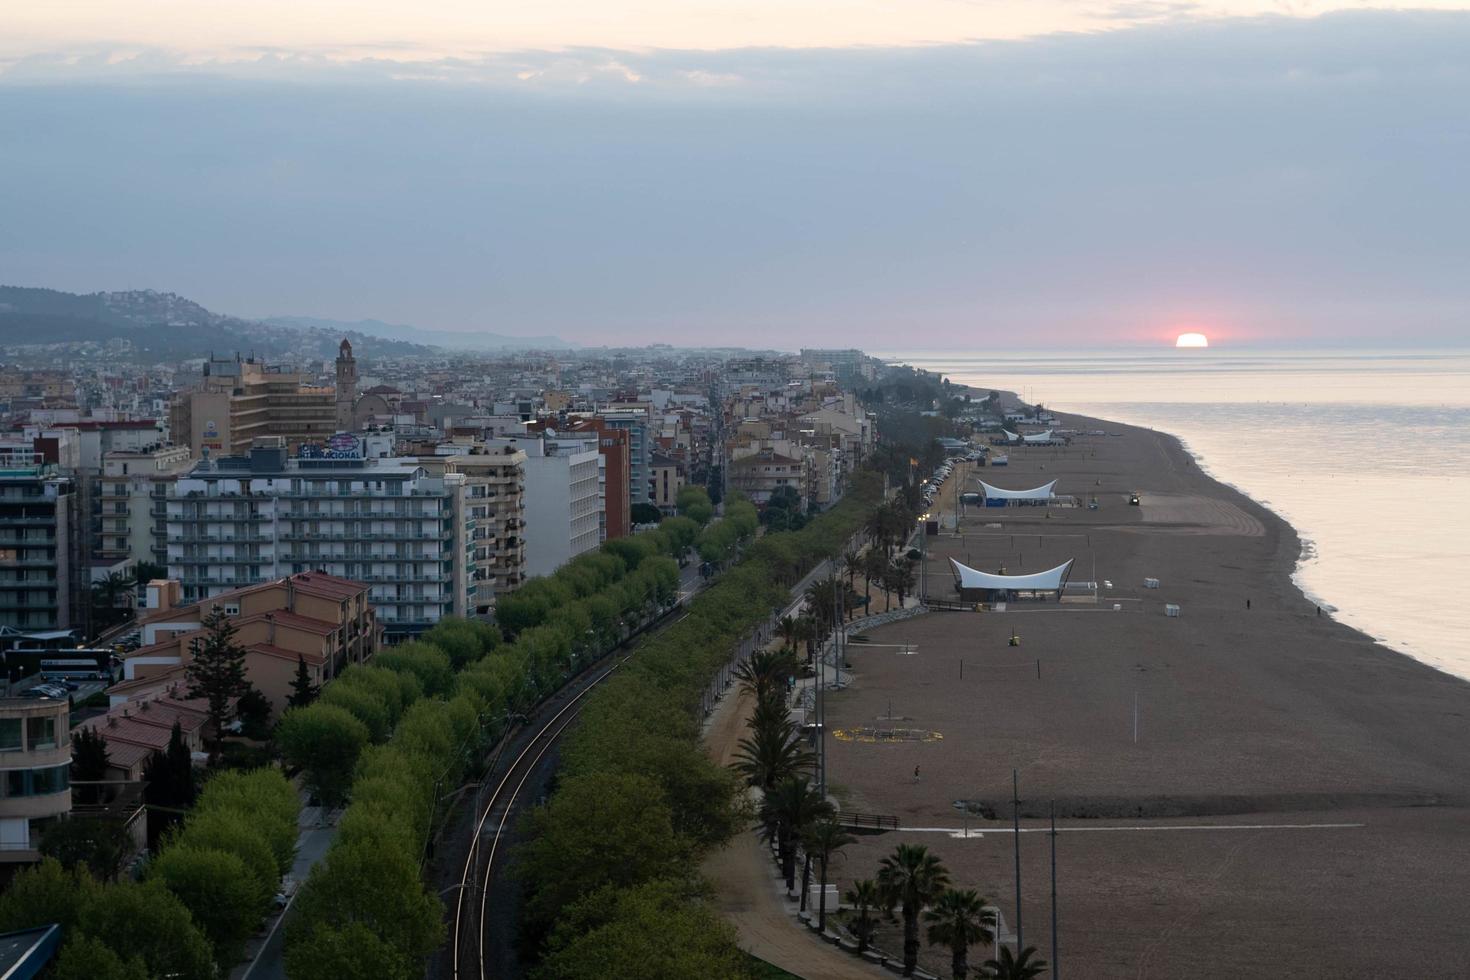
1366 453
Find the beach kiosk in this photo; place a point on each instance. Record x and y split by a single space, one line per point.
977 586
1001 497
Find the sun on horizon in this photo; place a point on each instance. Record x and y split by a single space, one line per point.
1191 340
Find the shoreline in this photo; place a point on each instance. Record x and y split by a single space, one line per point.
1306 548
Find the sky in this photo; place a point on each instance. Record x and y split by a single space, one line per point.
924 174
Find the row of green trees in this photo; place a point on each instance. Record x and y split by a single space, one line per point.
202 896
398 737
612 889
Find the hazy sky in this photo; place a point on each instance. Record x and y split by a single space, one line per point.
930 172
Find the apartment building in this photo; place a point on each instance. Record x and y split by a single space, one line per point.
131 496
494 493
664 483
327 622
615 447
43 582
240 401
563 500
640 450
35 757
761 473
241 520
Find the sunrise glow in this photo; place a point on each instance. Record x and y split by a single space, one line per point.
1192 340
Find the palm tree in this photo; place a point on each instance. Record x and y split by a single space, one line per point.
105 595
771 753
866 899
1007 966
876 527
959 920
874 564
822 841
852 564
900 577
765 673
913 878
788 810
789 630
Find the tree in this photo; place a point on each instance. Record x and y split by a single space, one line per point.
658 929
1008 966
852 564
85 958
268 800
220 893
960 919
771 753
764 674
324 741
254 711
361 882
822 840
303 691
217 674
865 899
326 952
88 764
99 844
148 922
112 599
242 834
787 811
169 783
46 893
601 828
899 578
146 571
875 566
913 878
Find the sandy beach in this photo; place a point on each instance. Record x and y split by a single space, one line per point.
1295 802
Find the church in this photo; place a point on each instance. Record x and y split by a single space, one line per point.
355 411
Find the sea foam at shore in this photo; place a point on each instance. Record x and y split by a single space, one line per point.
1365 453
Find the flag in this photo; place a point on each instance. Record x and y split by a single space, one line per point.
913 462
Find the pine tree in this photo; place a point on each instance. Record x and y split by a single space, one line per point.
170 785
303 691
88 764
217 674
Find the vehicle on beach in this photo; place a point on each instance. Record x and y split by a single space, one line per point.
1134 499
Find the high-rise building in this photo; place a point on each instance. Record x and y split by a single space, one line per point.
132 493
43 582
613 444
563 502
239 520
241 401
495 507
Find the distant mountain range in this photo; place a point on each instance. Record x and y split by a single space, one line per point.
451 339
146 326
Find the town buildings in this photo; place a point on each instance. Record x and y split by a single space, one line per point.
131 497
240 401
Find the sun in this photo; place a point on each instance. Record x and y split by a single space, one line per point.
1192 340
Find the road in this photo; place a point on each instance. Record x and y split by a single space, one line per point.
267 955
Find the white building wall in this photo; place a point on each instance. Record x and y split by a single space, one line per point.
562 509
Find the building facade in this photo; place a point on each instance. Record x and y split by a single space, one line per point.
132 495
563 501
241 401
35 757
237 521
495 517
43 581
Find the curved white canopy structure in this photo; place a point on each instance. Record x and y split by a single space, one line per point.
1047 581
1011 436
1038 437
1035 493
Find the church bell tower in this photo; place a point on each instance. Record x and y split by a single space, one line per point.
346 386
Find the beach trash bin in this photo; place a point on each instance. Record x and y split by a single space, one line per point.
1171 609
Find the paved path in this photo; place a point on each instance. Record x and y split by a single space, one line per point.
747 891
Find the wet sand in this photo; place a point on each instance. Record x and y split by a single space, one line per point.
1272 718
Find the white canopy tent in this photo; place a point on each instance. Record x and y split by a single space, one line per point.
1035 493
1038 437
1050 580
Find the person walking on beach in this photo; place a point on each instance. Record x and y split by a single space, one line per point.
916 774
1247 603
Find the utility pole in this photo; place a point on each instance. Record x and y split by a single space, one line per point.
1016 837
1056 970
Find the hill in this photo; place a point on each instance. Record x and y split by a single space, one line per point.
148 326
451 339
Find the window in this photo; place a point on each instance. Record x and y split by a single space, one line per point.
10 734
40 733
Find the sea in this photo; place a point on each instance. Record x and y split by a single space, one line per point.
1365 452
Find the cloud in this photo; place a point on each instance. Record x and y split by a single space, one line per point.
1301 177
